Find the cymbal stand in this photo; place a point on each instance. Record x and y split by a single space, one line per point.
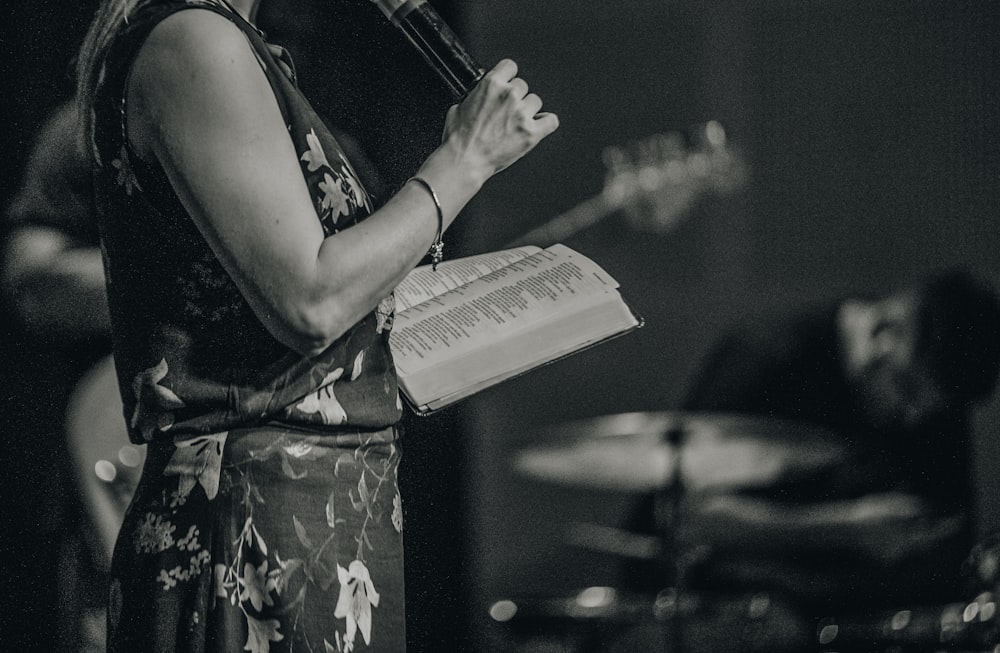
669 502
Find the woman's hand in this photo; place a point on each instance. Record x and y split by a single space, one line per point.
498 123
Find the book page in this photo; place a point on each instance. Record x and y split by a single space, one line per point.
567 332
486 310
423 283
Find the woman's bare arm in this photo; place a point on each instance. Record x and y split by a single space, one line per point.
199 103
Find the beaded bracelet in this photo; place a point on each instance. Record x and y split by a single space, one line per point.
437 248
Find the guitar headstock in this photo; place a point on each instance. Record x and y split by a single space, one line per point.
654 182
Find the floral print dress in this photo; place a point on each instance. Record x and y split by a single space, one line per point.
268 516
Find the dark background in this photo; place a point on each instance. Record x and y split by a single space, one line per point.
870 133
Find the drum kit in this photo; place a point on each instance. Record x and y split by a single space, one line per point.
678 457
672 456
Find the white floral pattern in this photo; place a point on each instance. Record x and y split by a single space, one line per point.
358 193
125 175
341 193
324 402
324 551
314 157
384 313
335 200
197 461
355 603
258 579
154 403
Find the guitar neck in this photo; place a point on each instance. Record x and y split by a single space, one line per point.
566 224
654 183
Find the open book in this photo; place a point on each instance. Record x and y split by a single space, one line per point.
483 319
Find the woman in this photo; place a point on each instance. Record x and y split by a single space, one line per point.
250 283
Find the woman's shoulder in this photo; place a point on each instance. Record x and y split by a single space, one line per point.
164 31
201 35
187 65
191 59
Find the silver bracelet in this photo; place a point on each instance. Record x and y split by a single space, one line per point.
436 251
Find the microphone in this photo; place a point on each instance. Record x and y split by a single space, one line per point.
435 41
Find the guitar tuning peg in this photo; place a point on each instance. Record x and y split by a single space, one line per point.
658 149
646 151
620 180
715 134
614 158
672 144
699 165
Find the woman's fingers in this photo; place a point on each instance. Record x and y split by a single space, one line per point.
546 123
518 88
501 120
504 71
531 104
542 124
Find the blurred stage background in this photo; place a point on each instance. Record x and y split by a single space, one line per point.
871 137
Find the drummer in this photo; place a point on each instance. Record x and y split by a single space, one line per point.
895 374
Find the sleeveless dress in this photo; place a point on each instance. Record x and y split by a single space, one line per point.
268 515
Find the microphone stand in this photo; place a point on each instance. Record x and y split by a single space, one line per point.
669 502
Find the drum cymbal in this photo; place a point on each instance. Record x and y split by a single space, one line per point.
637 452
